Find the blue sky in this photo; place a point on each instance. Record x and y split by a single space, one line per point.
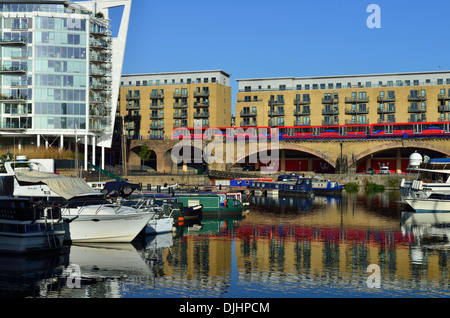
249 38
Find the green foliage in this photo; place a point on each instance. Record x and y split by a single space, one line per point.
352 187
392 181
373 187
145 153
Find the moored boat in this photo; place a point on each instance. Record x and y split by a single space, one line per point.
27 227
289 185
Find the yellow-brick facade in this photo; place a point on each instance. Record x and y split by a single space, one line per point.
346 103
154 108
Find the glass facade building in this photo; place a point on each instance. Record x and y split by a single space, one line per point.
55 71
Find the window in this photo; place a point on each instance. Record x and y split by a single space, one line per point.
299 87
330 86
338 85
247 89
307 86
282 87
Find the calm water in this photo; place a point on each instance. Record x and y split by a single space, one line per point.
281 248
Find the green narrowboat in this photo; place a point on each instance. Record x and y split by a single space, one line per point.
213 204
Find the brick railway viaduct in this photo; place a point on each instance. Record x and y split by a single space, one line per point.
356 155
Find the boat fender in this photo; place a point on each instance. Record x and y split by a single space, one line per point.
402 183
95 220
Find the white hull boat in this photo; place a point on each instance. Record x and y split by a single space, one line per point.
159 225
26 227
436 202
104 223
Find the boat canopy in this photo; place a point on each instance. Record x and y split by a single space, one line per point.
66 187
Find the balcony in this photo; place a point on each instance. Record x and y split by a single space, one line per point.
302 112
386 99
19 41
415 98
19 69
382 110
201 94
156 126
156 116
180 95
302 102
415 109
355 111
276 113
132 117
357 122
444 108
386 121
99 45
99 87
248 113
201 104
180 105
156 96
443 97
417 120
276 102
275 124
156 107
248 124
356 100
301 123
133 97
180 125
13 99
330 111
330 100
201 114
330 123
180 116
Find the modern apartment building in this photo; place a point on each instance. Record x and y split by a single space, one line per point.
344 100
60 72
152 105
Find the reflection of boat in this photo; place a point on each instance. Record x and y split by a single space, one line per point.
27 227
279 203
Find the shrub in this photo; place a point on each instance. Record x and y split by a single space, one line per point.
352 187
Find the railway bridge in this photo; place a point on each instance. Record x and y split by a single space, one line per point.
318 155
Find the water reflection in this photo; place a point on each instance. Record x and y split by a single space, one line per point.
280 248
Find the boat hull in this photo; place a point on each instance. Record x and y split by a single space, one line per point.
428 205
158 226
117 228
41 240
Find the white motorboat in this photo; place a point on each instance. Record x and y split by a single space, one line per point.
433 177
87 215
27 227
435 202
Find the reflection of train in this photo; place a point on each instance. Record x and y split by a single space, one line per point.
373 131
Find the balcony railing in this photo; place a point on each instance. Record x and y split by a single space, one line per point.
14 41
357 122
330 111
201 104
180 95
354 111
248 113
13 99
417 120
302 112
156 96
330 123
201 94
19 69
385 99
156 116
156 126
180 105
276 113
443 97
413 109
353 100
133 97
302 102
201 114
444 108
330 100
275 124
301 123
248 124
417 98
157 107
381 110
276 102
133 117
386 121
180 116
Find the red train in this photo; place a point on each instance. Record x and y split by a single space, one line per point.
372 131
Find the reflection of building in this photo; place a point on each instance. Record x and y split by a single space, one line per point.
60 72
154 104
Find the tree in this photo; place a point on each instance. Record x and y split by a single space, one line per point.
144 154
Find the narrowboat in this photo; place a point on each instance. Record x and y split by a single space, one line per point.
293 186
213 204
